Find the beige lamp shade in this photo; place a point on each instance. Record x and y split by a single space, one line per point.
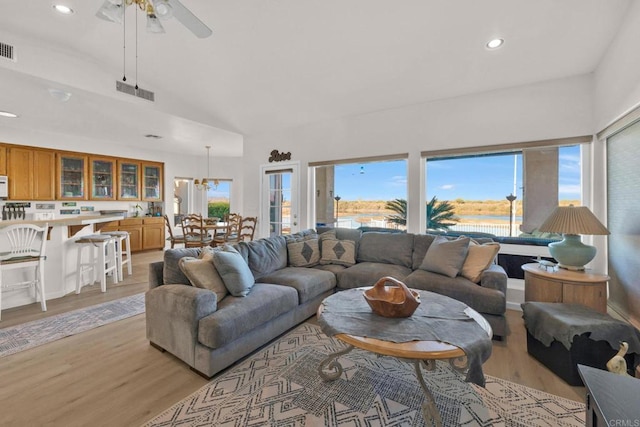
573 220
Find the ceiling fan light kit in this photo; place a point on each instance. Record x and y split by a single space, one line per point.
113 11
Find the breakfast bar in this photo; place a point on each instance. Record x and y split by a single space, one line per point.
61 252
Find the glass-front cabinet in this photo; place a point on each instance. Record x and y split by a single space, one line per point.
128 180
102 173
72 177
151 182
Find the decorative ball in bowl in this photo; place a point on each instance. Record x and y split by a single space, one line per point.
392 301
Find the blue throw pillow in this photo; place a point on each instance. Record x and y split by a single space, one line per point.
235 272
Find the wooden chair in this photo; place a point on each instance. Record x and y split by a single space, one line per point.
232 233
195 233
248 228
173 238
27 245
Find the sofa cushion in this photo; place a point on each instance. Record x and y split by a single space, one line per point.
334 251
421 243
334 268
386 248
303 251
481 299
308 282
479 257
446 256
235 272
341 233
237 316
368 273
202 273
265 255
171 273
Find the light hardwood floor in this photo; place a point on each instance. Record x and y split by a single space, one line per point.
111 376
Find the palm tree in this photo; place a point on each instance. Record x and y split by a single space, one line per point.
440 215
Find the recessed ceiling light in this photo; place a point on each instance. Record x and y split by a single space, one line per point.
63 9
495 43
8 114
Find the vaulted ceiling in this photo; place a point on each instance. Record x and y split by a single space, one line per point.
275 64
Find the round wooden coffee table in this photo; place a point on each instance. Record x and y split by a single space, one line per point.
420 353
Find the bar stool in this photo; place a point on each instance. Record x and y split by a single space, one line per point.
101 265
122 237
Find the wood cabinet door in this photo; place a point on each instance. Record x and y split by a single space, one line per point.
72 177
44 171
128 180
135 235
20 173
592 295
153 236
3 160
152 182
102 178
537 288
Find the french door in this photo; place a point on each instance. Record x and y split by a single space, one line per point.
280 195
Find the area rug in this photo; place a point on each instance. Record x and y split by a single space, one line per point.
279 386
32 334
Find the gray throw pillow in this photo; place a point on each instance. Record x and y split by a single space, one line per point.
446 256
235 272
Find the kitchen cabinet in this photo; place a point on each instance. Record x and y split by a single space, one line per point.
31 174
151 182
145 233
128 180
102 173
153 233
72 177
3 160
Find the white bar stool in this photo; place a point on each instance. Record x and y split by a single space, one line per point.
99 266
123 239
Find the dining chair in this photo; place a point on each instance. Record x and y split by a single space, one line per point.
232 232
27 244
195 233
248 228
173 238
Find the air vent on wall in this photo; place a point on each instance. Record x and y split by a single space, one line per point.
131 90
7 52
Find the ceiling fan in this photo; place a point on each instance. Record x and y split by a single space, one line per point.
156 10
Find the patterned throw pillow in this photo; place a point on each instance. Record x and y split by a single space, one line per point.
304 252
341 252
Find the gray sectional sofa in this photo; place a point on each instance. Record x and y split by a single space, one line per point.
211 334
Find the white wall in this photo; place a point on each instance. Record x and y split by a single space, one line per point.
554 109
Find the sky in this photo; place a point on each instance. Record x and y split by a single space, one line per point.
476 178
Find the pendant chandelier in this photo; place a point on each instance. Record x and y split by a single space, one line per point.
205 184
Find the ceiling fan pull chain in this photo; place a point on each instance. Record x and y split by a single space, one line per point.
124 46
136 48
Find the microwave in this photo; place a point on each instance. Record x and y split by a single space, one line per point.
4 186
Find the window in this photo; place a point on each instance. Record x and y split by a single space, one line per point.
506 193
362 194
218 198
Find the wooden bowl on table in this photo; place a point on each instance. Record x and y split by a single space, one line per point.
392 301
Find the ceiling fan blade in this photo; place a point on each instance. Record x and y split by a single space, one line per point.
189 20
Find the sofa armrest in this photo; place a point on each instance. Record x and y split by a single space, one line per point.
173 313
494 277
156 274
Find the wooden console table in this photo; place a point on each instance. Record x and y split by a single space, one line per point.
579 287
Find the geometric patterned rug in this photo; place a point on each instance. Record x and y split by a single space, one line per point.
31 334
279 386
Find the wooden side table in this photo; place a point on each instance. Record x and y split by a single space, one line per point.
579 287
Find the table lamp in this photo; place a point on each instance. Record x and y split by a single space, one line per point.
572 221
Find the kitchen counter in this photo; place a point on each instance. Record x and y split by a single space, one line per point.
61 265
74 224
